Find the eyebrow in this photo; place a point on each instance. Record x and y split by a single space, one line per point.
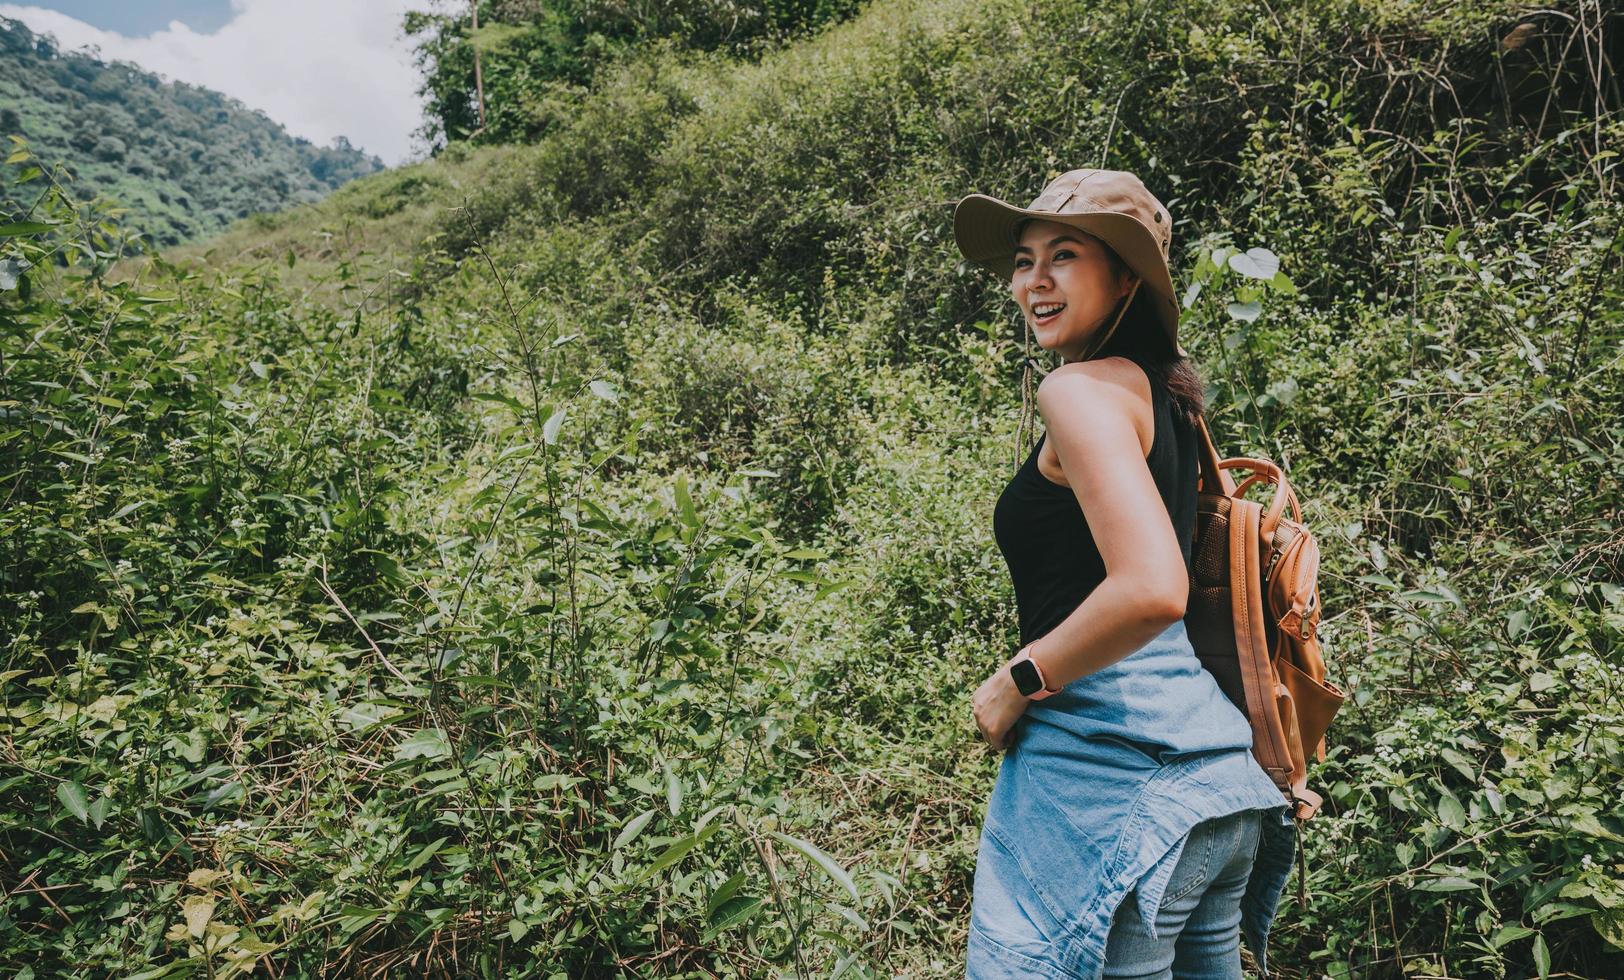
1052 242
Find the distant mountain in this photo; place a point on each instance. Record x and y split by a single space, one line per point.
187 160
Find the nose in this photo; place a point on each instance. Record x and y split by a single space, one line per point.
1038 276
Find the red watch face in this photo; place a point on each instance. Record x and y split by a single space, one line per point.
1025 675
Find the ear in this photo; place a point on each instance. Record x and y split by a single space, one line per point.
1125 282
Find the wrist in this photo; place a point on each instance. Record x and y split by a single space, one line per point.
1027 674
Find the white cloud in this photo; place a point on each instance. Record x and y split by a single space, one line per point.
322 68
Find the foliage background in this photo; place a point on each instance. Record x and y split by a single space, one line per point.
505 570
538 57
187 161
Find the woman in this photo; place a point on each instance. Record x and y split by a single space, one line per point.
1130 832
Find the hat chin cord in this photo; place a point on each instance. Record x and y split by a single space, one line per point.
1029 365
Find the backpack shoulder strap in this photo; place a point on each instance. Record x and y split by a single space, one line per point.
1251 641
1214 479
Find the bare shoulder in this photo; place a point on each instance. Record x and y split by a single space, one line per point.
1084 389
1115 375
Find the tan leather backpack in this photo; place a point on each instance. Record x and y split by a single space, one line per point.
1252 614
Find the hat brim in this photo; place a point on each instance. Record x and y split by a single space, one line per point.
984 228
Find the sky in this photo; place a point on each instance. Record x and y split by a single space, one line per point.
322 68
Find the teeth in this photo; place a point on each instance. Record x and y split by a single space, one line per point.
1044 309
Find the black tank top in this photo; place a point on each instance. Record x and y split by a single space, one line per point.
1053 561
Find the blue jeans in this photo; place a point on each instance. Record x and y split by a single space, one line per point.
1197 932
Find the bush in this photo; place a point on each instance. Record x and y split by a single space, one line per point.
506 568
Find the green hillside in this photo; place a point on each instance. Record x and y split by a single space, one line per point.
187 161
574 558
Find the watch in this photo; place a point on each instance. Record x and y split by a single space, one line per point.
1028 676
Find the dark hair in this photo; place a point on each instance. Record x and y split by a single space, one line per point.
1140 338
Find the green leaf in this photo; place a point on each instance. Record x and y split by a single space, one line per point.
127 509
73 796
673 788
501 399
829 589
425 743
850 915
549 428
553 780
24 228
685 503
197 910
1590 826
1461 764
1245 312
1428 595
707 816
723 892
190 745
633 827
224 793
1450 813
1191 294
830 866
1445 883
676 851
421 857
735 912
1255 263
1542 956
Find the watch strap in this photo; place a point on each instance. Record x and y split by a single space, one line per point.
1045 690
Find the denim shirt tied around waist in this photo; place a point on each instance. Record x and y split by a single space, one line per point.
1101 784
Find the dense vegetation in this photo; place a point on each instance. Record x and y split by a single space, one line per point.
508 570
536 57
186 161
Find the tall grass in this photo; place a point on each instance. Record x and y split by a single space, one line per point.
575 559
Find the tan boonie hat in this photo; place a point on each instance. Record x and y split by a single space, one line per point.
1111 205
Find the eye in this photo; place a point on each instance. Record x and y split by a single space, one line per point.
1022 262
1064 253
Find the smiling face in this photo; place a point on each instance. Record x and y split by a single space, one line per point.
1066 284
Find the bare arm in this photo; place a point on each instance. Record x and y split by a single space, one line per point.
1088 408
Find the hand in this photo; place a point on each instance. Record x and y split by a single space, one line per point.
998 705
